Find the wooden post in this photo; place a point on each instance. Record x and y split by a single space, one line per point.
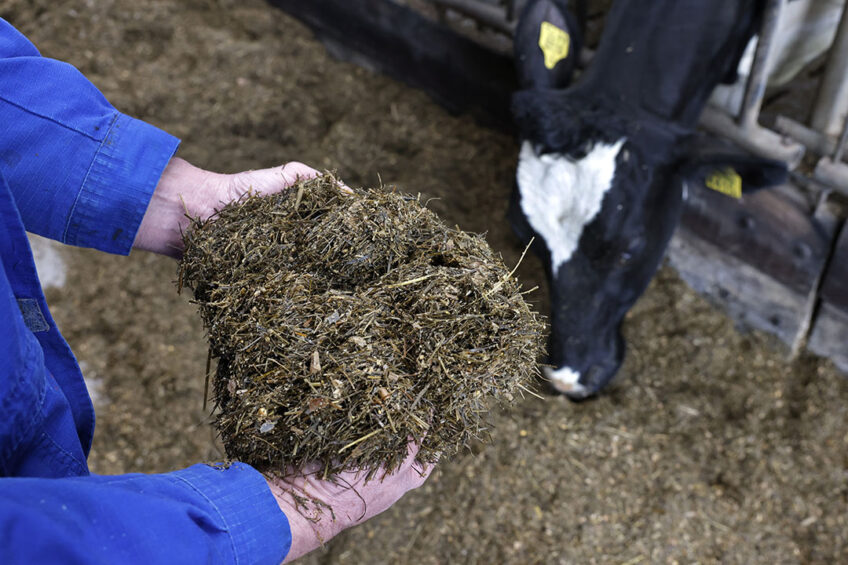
760 257
830 331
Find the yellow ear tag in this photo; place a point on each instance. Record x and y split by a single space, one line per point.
727 181
554 43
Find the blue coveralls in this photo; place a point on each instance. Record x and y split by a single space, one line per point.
74 169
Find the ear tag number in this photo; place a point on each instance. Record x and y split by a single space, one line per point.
554 43
727 181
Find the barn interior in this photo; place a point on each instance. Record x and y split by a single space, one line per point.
723 438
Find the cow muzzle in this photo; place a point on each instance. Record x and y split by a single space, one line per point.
567 381
581 385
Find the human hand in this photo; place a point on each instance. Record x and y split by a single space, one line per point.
186 189
319 510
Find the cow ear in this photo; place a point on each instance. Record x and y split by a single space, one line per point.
730 170
547 44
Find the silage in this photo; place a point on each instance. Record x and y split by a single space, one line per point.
347 323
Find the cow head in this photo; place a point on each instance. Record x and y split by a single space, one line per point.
603 164
602 207
602 213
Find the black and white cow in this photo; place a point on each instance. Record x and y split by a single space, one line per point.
603 164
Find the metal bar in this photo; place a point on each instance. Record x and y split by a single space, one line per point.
756 87
833 174
831 107
513 9
754 138
814 141
827 219
488 14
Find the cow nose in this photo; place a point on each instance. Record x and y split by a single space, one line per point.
581 393
575 385
566 380
597 377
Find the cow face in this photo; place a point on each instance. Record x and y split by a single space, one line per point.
600 174
602 213
602 222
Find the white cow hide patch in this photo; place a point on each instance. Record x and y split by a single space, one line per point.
560 196
566 380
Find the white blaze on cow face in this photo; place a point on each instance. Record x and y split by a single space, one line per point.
560 196
566 380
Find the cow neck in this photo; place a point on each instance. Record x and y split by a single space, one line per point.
666 56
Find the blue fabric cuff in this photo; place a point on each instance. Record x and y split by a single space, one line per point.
118 186
259 530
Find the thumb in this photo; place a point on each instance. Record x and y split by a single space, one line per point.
269 181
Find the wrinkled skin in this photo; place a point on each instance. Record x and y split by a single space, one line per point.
319 509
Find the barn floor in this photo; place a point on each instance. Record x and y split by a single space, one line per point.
711 447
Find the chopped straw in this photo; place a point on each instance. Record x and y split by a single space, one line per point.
347 323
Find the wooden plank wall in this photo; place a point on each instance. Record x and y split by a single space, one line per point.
761 258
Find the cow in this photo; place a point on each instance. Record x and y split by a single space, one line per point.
805 31
604 163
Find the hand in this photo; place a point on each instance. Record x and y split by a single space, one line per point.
319 510
185 189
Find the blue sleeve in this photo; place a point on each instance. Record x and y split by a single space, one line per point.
198 515
80 171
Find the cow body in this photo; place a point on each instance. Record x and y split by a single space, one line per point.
603 165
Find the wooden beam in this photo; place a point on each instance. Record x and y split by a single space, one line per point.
775 235
835 286
751 298
760 258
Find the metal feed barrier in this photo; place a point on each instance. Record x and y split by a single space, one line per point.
826 135
776 260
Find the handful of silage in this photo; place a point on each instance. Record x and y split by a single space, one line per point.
345 324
